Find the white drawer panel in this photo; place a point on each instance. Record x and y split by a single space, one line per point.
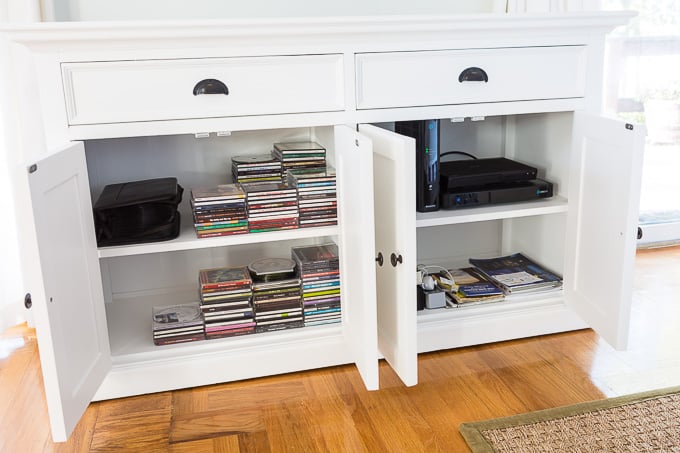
423 78
150 90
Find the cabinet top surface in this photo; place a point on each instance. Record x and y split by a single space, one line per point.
57 33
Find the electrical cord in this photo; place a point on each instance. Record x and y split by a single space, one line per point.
423 268
462 153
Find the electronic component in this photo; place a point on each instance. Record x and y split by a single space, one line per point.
426 134
497 193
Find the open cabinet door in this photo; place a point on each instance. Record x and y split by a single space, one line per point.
604 195
395 240
354 169
68 305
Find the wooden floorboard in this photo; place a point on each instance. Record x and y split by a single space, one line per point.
329 410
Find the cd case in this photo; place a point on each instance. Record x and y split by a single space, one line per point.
173 316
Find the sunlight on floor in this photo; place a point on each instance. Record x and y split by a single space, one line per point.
9 345
652 360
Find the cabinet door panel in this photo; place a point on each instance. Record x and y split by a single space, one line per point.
354 165
395 233
602 228
69 307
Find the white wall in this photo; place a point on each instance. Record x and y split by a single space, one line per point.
220 9
11 284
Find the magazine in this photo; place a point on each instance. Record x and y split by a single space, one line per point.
517 273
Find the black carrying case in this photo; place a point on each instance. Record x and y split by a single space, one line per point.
138 211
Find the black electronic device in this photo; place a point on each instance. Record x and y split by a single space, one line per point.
477 172
426 134
505 192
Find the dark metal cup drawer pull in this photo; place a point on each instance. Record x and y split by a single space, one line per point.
473 74
210 86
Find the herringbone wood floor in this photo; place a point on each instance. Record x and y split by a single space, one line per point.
329 410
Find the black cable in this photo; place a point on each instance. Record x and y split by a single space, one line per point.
463 153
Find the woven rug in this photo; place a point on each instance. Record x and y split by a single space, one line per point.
642 422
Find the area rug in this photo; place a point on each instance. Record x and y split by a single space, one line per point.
642 422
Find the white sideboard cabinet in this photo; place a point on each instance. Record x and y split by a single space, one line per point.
100 103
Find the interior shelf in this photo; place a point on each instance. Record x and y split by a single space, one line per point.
187 239
131 340
552 205
514 303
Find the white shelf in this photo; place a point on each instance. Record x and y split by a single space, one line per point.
187 239
552 205
511 303
518 317
131 340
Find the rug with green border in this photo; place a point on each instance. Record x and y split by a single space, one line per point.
641 422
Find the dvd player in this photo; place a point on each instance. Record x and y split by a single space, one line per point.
477 172
505 192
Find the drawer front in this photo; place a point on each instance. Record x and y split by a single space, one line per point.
149 90
407 79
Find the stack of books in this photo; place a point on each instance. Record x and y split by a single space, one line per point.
276 294
271 207
517 273
226 301
317 196
255 168
472 288
219 210
177 324
319 267
299 155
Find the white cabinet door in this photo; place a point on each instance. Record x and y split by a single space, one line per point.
68 306
395 234
354 167
604 194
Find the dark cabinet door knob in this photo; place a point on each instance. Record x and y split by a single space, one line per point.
28 301
379 259
210 86
394 259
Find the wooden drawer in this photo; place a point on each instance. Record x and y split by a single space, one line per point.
149 90
424 78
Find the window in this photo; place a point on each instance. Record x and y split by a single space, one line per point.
643 85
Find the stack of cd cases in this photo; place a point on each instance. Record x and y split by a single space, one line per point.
226 301
319 267
276 294
219 210
177 324
271 207
317 196
300 155
256 168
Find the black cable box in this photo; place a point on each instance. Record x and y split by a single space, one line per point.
505 192
477 172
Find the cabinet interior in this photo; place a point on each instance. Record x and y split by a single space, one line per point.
540 140
134 283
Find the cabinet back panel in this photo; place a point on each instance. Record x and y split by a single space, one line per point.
539 237
195 162
480 138
544 141
453 245
164 272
